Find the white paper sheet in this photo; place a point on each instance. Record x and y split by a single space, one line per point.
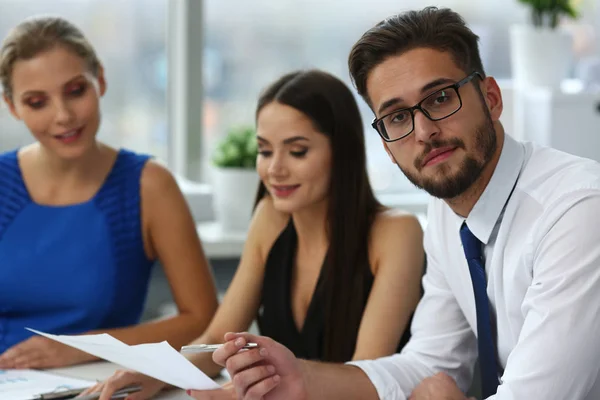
27 384
158 360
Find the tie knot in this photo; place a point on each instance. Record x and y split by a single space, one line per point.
471 245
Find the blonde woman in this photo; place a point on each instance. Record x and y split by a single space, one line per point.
81 223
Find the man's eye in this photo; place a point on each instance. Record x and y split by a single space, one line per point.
441 99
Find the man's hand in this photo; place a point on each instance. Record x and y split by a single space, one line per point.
438 387
39 352
269 372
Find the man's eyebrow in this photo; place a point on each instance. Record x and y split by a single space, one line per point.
425 89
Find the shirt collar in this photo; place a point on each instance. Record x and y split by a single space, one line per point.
485 214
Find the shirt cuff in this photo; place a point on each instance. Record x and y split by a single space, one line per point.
384 382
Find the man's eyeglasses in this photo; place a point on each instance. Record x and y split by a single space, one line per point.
436 106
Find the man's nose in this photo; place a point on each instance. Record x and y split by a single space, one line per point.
425 128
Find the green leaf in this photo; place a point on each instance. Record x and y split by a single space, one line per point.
238 149
252 147
548 12
567 9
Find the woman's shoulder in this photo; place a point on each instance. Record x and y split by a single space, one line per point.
159 188
129 160
156 177
394 219
393 228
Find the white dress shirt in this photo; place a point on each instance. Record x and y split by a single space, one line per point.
539 219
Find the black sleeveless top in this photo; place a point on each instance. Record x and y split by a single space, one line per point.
275 317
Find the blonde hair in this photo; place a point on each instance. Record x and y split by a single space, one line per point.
39 34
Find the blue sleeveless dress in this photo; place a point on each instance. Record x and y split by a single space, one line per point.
71 269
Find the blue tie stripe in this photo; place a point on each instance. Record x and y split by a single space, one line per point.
487 353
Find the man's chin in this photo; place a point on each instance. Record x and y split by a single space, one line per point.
438 174
443 185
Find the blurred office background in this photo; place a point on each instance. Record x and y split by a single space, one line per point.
225 51
182 72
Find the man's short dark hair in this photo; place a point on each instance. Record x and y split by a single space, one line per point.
439 29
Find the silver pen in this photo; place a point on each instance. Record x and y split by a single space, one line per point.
209 348
75 394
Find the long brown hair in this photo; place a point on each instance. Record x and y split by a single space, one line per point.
332 108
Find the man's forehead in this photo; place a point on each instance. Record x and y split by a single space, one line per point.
406 75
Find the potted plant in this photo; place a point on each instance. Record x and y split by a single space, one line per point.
542 52
234 178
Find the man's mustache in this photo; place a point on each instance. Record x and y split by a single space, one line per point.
436 144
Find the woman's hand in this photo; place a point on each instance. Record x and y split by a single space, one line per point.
124 378
39 352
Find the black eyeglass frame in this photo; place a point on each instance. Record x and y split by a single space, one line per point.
412 109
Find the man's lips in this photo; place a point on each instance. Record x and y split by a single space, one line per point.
437 155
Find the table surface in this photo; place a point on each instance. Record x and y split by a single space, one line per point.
102 370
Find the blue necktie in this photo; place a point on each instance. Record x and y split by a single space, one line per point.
487 353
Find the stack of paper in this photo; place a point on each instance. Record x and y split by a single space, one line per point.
158 360
26 384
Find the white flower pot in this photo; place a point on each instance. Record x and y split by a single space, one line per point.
234 191
540 56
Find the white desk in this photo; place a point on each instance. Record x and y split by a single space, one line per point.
103 370
218 243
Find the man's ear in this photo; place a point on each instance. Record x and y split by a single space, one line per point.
493 97
11 106
387 150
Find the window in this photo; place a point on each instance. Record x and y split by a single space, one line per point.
247 49
130 38
242 52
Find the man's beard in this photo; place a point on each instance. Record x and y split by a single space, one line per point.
445 186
